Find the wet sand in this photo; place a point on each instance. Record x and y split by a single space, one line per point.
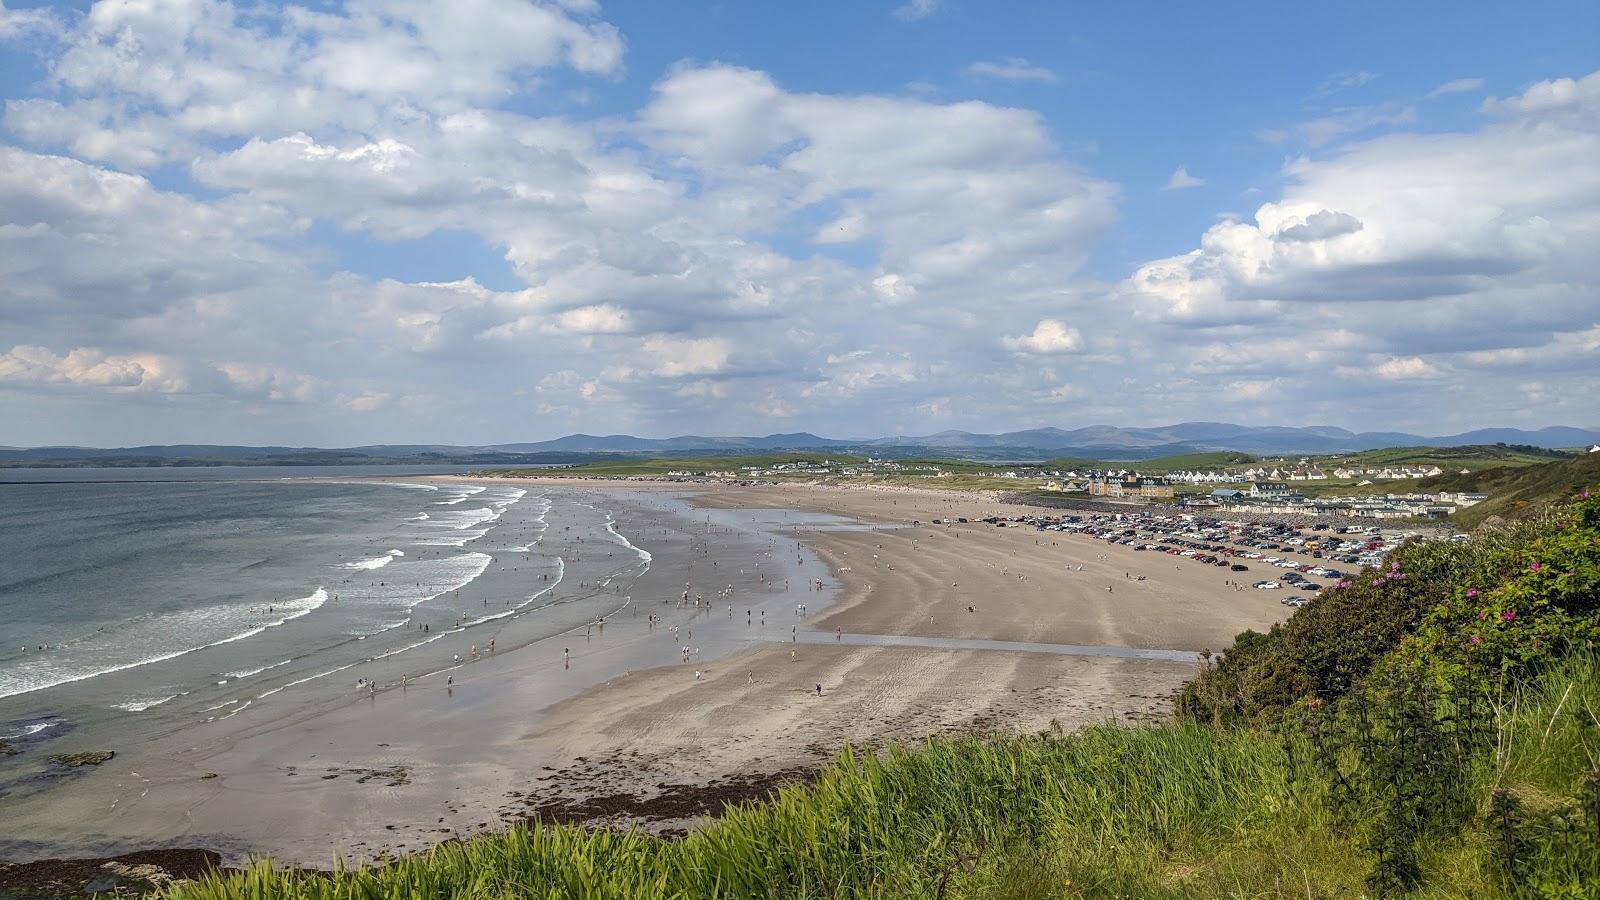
527 732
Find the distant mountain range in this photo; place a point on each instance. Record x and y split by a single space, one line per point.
1093 442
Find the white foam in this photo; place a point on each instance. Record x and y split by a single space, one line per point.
28 730
644 555
419 517
467 490
246 673
561 571
142 705
377 562
38 679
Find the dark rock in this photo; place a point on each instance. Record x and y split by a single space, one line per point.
84 758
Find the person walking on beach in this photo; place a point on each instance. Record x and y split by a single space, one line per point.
819 689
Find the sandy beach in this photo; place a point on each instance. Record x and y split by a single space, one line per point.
759 711
620 727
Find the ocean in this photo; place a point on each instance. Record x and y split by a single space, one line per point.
134 608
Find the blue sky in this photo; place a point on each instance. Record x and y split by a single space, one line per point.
361 221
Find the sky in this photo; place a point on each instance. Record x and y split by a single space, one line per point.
353 222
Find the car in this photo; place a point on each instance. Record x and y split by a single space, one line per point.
1237 567
1289 601
1267 585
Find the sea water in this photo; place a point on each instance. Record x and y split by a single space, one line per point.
132 608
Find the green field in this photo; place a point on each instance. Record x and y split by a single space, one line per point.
1484 456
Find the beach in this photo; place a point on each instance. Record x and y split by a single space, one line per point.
909 630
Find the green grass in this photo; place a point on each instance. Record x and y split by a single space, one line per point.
1518 492
1113 811
1474 457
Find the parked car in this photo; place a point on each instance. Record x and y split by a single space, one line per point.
1238 567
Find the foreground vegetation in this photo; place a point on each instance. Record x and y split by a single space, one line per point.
1428 729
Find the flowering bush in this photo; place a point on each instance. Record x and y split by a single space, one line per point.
1498 606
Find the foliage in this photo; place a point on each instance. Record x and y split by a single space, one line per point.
1521 492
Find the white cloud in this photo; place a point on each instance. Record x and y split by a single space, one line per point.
169 73
90 367
1049 336
599 319
1182 179
915 10
1343 122
17 23
1319 226
1011 68
1408 368
674 357
1480 211
732 254
1250 389
1457 86
1560 95
1343 81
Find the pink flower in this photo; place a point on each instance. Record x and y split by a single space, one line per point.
1585 493
1509 615
1483 614
1472 593
1533 567
1477 639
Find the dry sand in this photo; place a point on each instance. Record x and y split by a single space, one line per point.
758 712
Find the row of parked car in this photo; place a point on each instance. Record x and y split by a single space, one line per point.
1233 545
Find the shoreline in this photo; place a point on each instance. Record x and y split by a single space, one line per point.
658 748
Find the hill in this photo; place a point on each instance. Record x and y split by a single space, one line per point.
1093 442
1516 492
1473 456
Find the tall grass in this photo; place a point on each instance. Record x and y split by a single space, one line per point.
1144 811
1113 811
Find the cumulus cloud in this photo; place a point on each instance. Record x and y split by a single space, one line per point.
1409 368
1011 68
1320 226
1481 211
674 357
1049 336
733 253
89 367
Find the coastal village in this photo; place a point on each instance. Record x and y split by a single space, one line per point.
1300 488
